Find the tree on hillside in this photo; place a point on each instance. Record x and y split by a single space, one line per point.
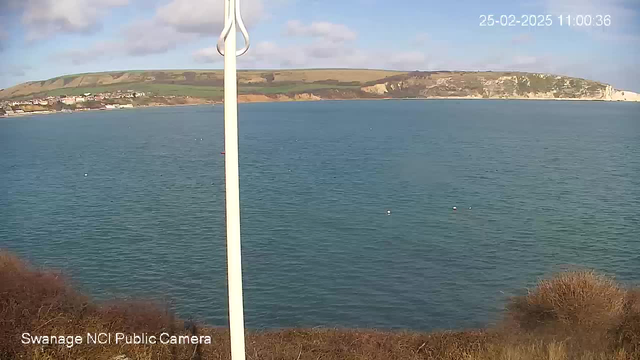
58 106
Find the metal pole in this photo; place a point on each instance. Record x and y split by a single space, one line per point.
232 186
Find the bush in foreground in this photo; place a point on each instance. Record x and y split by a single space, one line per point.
572 300
554 321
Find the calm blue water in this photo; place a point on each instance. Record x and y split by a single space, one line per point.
551 185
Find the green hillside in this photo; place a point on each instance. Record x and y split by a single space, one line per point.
197 83
318 84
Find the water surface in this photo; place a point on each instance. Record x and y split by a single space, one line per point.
540 187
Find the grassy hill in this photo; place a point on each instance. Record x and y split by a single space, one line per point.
198 83
318 84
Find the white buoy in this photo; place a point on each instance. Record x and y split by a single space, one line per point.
85 174
469 207
388 212
455 208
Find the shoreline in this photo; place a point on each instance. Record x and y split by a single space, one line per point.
290 100
34 113
436 98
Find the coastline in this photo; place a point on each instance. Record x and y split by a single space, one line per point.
436 98
34 113
250 99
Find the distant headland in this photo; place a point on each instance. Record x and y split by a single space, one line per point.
183 87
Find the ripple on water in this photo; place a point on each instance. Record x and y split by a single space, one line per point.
555 188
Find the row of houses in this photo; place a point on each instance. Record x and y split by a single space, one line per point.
73 100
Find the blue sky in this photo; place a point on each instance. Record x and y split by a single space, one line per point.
41 39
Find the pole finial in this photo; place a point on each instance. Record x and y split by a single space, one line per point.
232 17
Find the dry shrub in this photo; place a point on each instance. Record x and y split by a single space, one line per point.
41 302
581 300
540 350
31 299
627 332
137 316
343 344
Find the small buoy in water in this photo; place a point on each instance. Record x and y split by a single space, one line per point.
200 139
469 207
388 212
85 174
455 208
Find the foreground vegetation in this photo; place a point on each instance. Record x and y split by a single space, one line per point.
574 315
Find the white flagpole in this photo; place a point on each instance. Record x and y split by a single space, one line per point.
232 183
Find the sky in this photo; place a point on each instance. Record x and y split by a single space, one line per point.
42 39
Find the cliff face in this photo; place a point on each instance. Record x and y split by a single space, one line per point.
489 85
618 95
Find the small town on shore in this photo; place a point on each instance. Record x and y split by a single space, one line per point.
120 99
63 103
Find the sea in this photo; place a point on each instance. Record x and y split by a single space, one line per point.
346 206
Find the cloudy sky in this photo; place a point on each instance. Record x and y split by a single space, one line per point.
41 39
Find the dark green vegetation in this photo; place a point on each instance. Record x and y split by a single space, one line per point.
574 315
314 84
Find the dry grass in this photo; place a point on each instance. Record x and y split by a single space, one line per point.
580 299
572 316
627 332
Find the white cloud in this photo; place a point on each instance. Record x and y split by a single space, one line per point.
320 53
149 37
137 39
323 30
264 54
44 18
205 17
